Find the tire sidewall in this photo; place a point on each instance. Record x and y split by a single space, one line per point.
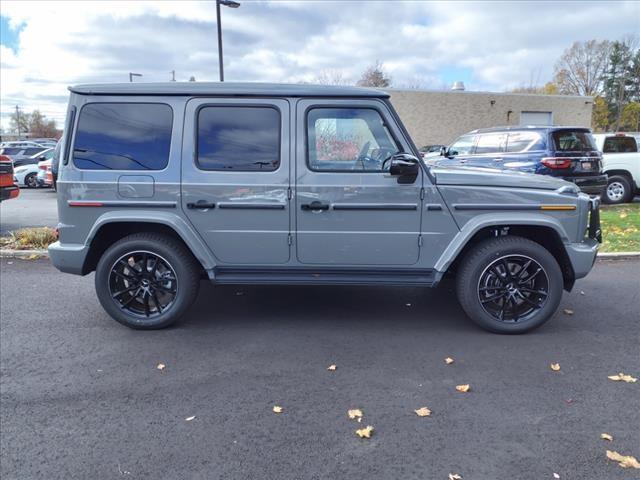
472 304
35 182
627 190
183 298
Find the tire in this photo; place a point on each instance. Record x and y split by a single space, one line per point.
618 190
482 277
171 273
31 181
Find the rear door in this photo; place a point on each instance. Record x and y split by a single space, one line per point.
349 210
235 178
576 153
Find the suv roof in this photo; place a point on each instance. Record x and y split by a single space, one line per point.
226 89
528 127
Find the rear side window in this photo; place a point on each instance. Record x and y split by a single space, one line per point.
123 136
463 145
573 141
619 145
491 143
524 142
238 138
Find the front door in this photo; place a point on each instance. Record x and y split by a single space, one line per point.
235 178
349 210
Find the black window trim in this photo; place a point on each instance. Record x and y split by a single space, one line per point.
125 170
70 128
196 130
345 106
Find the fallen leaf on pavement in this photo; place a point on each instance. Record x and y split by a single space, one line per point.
277 409
463 388
355 413
188 419
568 311
555 475
582 292
161 366
365 432
625 461
606 436
448 360
455 476
555 367
332 367
622 377
423 412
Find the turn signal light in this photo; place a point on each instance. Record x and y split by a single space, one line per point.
556 162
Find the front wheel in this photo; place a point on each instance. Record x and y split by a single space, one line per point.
618 190
31 181
147 280
509 284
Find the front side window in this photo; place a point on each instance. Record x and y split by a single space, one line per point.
123 136
463 145
491 143
524 142
619 145
348 140
238 138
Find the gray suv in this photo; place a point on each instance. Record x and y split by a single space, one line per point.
161 185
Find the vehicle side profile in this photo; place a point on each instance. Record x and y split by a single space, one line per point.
621 162
161 185
569 153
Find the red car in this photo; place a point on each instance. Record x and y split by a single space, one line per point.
8 189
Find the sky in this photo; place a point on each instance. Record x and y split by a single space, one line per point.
494 46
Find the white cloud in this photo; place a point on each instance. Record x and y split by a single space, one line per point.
498 44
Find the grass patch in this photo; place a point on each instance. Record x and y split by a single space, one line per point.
29 238
620 227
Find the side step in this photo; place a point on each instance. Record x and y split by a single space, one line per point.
322 276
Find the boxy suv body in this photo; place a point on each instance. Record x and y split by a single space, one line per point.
566 152
161 185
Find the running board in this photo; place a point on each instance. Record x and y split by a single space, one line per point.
322 276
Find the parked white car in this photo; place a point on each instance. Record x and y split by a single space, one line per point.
26 175
621 162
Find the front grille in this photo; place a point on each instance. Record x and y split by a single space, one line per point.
594 230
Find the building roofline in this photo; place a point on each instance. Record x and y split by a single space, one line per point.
226 89
468 92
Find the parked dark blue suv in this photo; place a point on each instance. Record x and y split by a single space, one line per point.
566 152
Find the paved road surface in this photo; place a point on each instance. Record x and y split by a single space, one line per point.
81 397
33 208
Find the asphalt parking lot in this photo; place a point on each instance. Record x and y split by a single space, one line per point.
82 398
35 207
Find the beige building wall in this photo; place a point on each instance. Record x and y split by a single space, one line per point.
439 117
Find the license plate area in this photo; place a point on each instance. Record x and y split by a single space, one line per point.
586 166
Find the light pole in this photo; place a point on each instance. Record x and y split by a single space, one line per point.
131 75
230 4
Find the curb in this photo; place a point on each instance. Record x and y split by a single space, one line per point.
6 253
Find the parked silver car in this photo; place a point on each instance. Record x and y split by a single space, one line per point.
162 184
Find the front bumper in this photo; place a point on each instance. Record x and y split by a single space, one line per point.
583 255
592 185
68 258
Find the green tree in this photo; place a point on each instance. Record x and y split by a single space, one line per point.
600 115
620 84
630 117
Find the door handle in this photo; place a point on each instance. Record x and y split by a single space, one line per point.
315 206
498 159
201 205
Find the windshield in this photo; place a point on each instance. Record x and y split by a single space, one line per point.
573 141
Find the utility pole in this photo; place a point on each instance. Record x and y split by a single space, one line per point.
18 120
230 4
131 75
173 75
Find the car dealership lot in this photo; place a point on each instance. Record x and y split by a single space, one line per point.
82 397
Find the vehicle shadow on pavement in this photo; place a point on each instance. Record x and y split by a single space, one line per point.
352 306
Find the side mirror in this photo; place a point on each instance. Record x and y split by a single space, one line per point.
443 151
41 158
405 166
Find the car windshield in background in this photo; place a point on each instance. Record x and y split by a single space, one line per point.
573 141
620 145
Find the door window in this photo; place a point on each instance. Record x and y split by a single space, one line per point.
491 143
462 146
238 138
348 140
619 145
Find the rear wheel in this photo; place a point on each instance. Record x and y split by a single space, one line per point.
31 180
147 280
509 285
618 190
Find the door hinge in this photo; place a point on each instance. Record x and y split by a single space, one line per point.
289 239
419 240
289 193
422 193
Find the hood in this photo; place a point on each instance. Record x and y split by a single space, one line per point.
491 177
